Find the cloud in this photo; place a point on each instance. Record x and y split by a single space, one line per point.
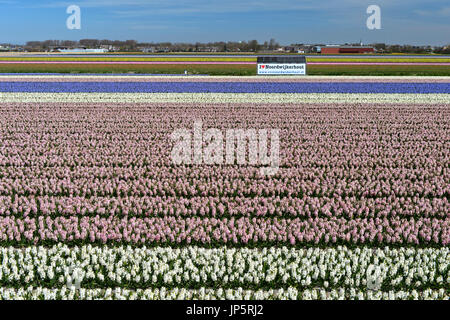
444 12
143 26
229 7
435 12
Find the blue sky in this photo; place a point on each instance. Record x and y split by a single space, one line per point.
288 21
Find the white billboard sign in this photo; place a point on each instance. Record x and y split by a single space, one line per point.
282 68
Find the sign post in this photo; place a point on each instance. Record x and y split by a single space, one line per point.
281 65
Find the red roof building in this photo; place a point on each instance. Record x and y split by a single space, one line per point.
346 49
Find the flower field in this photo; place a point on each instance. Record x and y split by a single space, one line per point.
219 64
93 207
429 60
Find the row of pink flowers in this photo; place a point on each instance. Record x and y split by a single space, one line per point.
242 230
347 207
349 173
222 185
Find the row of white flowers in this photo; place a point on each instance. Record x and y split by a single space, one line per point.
276 267
279 98
39 293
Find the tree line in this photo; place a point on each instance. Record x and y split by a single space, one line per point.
133 45
218 46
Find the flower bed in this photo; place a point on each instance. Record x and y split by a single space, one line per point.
87 183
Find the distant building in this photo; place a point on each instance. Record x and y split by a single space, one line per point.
299 48
154 49
82 50
208 49
149 50
346 49
109 47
